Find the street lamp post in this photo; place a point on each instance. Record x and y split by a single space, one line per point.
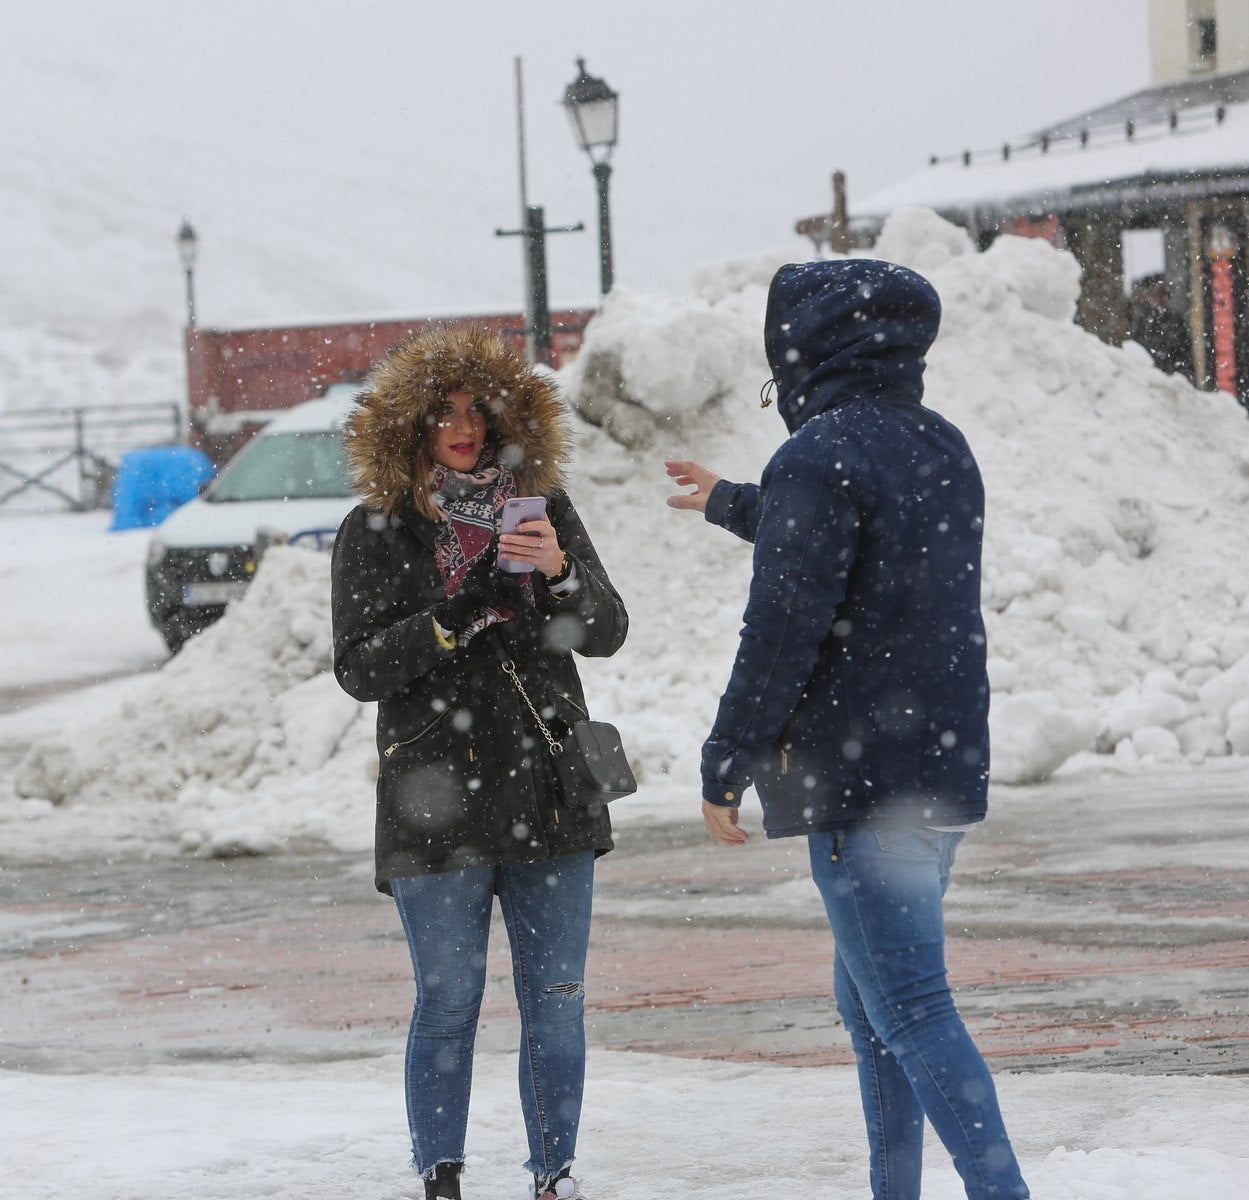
187 246
592 109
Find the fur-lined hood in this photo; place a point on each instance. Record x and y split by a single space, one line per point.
384 429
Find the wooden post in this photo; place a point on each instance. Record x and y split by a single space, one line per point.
526 255
1096 241
839 230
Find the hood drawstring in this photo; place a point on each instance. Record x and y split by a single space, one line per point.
766 397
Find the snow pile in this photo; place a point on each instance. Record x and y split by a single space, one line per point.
1115 602
243 743
676 356
648 358
1114 596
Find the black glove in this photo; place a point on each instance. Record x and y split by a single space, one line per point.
484 584
456 613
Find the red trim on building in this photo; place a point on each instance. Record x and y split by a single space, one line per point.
238 371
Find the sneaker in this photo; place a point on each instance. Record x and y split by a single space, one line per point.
564 1188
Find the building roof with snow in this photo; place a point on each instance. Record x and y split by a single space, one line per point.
1173 142
1169 163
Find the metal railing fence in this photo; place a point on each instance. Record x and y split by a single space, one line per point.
72 453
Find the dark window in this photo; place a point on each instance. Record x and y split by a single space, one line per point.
1207 38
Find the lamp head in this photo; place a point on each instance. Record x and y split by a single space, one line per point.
187 245
592 111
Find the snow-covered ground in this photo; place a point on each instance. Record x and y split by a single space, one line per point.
289 1131
654 1127
1114 585
1119 638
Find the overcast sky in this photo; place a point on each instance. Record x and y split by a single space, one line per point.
733 115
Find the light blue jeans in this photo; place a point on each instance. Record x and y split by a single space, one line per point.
883 894
446 917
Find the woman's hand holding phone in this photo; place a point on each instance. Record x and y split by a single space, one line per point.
528 541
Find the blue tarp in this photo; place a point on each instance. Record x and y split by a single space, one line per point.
151 483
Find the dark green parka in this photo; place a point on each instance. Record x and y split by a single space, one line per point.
465 776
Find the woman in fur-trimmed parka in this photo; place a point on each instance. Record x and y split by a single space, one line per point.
451 425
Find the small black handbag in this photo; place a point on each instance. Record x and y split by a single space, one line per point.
590 763
592 766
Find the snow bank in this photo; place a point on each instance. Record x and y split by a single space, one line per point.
1115 600
242 744
1113 589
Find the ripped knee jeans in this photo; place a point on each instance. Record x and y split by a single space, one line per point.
446 917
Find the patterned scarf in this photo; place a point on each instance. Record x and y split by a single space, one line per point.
471 503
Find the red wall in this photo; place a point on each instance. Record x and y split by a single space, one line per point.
249 370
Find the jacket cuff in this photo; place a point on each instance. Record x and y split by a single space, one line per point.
724 795
566 584
444 637
718 501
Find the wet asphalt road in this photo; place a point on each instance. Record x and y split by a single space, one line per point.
1081 937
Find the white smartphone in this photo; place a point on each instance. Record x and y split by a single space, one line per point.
516 511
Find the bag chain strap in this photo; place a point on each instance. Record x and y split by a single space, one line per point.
557 748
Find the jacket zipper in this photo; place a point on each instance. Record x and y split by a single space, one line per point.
416 737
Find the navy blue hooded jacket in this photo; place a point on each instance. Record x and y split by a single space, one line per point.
859 692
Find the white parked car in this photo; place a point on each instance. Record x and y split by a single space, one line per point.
289 482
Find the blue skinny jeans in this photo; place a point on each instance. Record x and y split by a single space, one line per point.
446 917
883 894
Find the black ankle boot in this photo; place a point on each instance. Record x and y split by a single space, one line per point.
445 1185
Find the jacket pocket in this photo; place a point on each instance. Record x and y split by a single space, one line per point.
424 732
777 763
434 804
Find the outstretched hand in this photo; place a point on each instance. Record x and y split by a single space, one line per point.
690 474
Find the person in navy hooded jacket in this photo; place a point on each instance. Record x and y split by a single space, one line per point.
858 702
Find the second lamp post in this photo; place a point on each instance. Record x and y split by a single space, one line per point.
187 245
592 109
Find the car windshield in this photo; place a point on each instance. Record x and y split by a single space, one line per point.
286 466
